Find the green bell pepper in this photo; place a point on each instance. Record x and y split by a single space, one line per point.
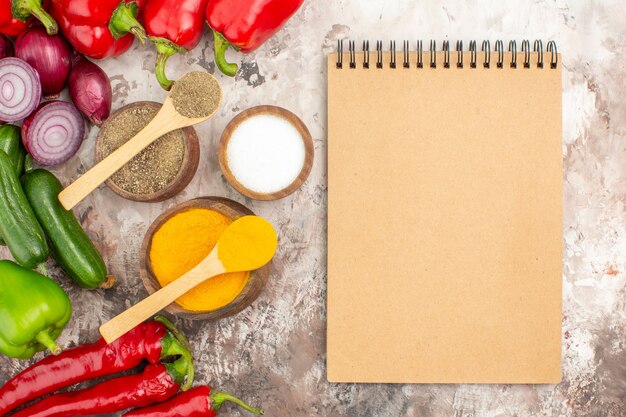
33 311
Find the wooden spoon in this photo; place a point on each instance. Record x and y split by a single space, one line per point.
247 244
166 120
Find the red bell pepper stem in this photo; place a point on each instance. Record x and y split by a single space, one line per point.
165 49
149 341
245 24
24 9
197 402
123 21
99 28
220 45
156 383
175 26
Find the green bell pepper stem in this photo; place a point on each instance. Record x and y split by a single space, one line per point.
24 9
44 338
124 20
220 46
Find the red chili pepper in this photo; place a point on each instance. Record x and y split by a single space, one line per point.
15 16
245 24
156 383
175 26
150 340
99 28
197 402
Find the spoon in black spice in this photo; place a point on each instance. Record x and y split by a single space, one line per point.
193 99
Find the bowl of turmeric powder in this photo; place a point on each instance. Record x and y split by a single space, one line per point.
179 239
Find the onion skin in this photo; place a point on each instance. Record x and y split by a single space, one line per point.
90 90
38 131
50 55
6 47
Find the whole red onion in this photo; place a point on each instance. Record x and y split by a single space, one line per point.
6 47
49 55
90 90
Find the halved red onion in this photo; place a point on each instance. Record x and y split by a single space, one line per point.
20 90
53 133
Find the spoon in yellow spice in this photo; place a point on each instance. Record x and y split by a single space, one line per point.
246 244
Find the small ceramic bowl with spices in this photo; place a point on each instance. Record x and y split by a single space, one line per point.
183 236
266 152
158 172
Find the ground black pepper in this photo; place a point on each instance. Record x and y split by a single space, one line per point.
155 167
196 94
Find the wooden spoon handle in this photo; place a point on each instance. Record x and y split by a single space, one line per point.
90 180
140 312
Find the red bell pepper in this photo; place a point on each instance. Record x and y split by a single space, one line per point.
175 26
245 24
99 28
152 341
15 16
156 383
197 402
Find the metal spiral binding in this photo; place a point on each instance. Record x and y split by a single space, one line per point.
366 54
526 50
420 61
459 54
538 47
485 50
352 51
513 51
379 54
433 56
554 57
500 50
472 48
446 54
340 53
406 55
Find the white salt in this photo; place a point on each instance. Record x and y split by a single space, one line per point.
265 153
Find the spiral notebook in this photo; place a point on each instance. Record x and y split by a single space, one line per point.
444 213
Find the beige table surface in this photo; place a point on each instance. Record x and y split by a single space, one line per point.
273 353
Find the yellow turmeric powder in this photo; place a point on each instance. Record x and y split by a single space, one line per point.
180 244
249 243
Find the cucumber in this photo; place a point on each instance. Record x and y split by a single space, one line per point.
11 144
18 224
71 247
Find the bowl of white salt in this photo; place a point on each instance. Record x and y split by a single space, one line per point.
266 152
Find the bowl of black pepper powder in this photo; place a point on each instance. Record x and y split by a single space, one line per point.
162 169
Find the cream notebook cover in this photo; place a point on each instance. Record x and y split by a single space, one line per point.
444 216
